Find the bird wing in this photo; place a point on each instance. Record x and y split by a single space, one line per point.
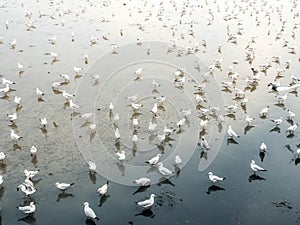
89 212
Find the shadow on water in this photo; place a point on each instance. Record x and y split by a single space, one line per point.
29 219
93 177
164 180
103 199
64 195
262 156
214 188
255 177
146 213
275 129
247 129
90 222
141 189
231 141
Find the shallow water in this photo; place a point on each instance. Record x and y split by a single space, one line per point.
188 197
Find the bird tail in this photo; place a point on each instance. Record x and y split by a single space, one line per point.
224 178
72 184
96 218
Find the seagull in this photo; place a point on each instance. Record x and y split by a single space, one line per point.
263 147
89 212
20 67
30 173
155 84
136 106
14 136
93 40
204 144
66 77
67 96
2 157
281 98
255 167
143 181
154 109
54 56
102 190
264 111
121 155
231 132
138 73
13 43
5 81
39 93
1 180
277 121
215 178
277 88
177 160
27 190
73 105
77 70
249 120
63 186
92 166
291 115
55 86
5 90
29 209
86 116
33 150
17 100
12 117
152 127
52 40
134 138
43 121
148 202
163 170
117 134
291 129
153 161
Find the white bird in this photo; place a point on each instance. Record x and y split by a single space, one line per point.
33 150
177 160
5 90
138 73
215 178
168 131
161 137
117 134
67 96
55 86
204 144
154 109
111 106
92 165
28 183
135 122
134 138
263 147
17 100
291 115
281 98
73 105
86 59
89 212
63 186
43 121
291 129
39 93
143 181
14 136
181 122
66 77
12 117
30 173
77 70
27 190
163 170
54 56
1 180
152 127
249 120
136 106
86 116
121 155
5 81
2 157
255 167
231 132
155 84
102 190
154 160
13 43
52 40
277 121
29 209
277 88
264 111
93 40
148 202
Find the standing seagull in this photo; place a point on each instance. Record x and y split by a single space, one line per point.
215 178
255 167
148 202
89 212
63 186
231 132
29 209
102 190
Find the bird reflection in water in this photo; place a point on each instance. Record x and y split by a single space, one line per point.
214 188
146 213
141 189
90 222
29 219
255 177
63 195
103 199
